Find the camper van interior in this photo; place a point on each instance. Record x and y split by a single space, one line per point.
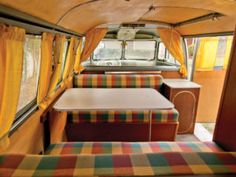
117 88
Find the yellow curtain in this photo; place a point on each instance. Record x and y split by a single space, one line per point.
45 66
227 52
11 64
70 59
77 67
57 126
58 119
206 55
172 41
58 55
92 39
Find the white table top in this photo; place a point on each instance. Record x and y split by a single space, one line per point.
87 99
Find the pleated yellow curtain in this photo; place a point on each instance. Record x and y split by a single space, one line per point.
45 67
58 119
172 41
11 64
77 67
92 39
58 55
70 59
206 54
227 52
57 125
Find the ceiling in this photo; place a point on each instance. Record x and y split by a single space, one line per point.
82 15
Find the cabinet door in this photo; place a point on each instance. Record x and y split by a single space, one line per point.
185 102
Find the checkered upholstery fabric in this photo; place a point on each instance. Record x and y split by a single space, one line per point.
123 116
130 147
117 81
167 163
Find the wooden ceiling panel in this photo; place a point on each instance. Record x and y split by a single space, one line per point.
48 10
105 12
82 15
227 7
224 24
174 14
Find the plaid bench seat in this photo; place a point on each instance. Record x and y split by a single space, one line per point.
117 81
165 163
100 125
130 147
114 125
158 116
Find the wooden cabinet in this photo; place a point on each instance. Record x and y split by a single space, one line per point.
184 94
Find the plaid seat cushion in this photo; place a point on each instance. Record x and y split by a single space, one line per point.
167 163
130 148
117 81
123 116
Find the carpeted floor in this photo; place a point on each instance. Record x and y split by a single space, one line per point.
187 137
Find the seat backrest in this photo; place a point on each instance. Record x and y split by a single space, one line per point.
117 81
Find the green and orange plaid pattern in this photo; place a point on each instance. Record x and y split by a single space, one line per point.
130 147
166 163
158 116
117 81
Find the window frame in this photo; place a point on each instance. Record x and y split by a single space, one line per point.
155 49
20 114
166 54
122 57
121 54
64 64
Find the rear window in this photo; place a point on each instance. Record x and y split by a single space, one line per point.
140 50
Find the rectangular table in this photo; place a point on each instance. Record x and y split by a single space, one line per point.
87 99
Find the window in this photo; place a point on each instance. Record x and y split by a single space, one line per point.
30 73
220 54
161 51
164 54
108 50
66 44
135 50
171 59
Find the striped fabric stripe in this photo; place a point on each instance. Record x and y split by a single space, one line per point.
160 164
130 147
158 116
117 81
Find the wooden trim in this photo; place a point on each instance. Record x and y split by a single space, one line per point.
224 133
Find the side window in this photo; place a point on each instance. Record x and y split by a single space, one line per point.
161 51
164 54
30 73
66 46
171 59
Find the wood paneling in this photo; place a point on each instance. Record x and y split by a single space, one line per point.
184 95
121 131
212 84
226 121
